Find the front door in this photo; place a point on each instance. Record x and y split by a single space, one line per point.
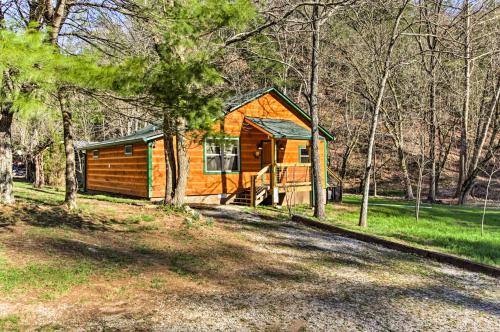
266 156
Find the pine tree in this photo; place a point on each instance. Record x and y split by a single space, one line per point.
183 82
26 66
33 72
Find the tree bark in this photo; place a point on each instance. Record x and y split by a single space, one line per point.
55 17
319 199
69 149
431 196
6 178
406 174
443 155
182 162
34 164
374 173
39 180
345 159
363 215
170 162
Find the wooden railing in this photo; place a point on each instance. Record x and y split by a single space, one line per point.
293 174
279 176
259 185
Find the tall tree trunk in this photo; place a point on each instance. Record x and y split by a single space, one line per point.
39 180
363 215
343 166
319 199
170 162
374 173
406 174
69 149
6 179
182 163
430 14
464 128
34 164
442 159
431 196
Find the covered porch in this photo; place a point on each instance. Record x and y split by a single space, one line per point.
285 167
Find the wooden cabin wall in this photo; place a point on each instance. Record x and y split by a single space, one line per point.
201 183
159 170
268 106
117 173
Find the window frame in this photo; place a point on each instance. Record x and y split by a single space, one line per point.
131 153
94 155
222 155
301 148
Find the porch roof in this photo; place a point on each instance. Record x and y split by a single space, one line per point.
280 128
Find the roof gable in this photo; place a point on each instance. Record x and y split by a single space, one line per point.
242 100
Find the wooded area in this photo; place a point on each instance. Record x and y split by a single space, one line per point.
409 88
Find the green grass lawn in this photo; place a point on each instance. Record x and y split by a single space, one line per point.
452 229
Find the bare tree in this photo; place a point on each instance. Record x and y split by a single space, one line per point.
319 199
429 45
377 104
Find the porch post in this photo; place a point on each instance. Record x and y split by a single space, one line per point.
273 170
253 181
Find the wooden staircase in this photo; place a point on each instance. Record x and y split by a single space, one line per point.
335 187
244 198
258 191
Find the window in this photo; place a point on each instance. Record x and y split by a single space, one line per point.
304 156
95 154
222 155
128 150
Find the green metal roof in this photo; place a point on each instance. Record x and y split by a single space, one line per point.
239 101
146 134
280 128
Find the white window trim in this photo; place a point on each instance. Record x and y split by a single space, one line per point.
222 155
94 156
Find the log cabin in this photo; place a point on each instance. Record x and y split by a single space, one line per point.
264 155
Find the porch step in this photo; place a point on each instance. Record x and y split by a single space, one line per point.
242 198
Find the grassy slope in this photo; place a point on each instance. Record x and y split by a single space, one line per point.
445 228
110 247
38 217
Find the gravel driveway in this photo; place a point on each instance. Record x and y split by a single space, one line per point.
355 286
244 273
